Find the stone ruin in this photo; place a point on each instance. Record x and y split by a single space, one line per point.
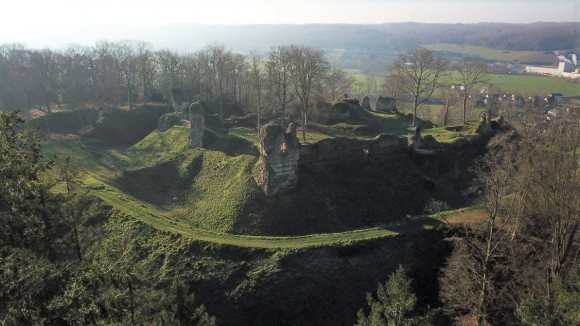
277 167
281 155
417 139
386 104
341 149
486 124
426 144
366 103
197 125
334 112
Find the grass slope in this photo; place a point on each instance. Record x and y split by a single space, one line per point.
130 206
201 187
197 193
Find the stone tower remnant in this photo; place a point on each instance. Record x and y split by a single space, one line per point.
417 138
386 104
484 125
366 103
277 168
197 125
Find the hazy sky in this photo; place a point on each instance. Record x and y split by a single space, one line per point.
25 18
33 13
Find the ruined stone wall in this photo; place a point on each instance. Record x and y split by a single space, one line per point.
197 124
351 149
386 104
277 168
281 155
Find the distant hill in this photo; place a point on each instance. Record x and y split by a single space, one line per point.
520 37
383 37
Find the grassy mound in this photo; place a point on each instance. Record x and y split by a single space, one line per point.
202 187
123 127
212 189
67 122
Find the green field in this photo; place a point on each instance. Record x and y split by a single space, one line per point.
526 85
493 54
532 85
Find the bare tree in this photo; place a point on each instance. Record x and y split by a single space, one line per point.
51 76
336 83
168 71
371 83
468 77
106 75
308 65
528 184
549 186
279 76
478 254
238 75
78 75
217 65
146 62
417 73
449 103
125 52
256 69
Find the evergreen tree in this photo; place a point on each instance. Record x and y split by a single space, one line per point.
394 304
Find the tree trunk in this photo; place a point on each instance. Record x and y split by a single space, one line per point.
416 104
464 119
129 99
221 105
446 112
304 125
481 309
144 93
283 112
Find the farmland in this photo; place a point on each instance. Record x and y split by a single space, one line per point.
526 85
494 54
531 85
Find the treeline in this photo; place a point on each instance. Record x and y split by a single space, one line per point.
128 72
517 262
64 261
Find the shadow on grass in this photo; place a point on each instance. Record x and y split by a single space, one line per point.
229 144
415 225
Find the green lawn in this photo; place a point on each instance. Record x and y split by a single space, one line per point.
532 85
529 85
449 134
526 85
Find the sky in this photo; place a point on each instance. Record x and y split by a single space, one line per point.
21 19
